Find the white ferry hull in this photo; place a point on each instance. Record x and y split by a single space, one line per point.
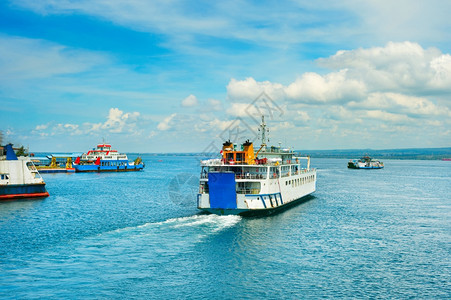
276 195
257 212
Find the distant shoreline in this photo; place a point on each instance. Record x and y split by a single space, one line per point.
408 153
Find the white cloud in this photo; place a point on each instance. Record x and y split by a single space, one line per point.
250 89
152 134
382 79
24 58
190 101
396 67
400 103
441 67
42 127
117 122
166 123
312 87
242 110
386 116
309 88
214 105
71 129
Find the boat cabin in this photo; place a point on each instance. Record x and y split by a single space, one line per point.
231 156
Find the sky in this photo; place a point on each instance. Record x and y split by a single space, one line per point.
183 76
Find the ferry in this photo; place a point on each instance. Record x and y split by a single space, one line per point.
19 177
104 159
365 162
247 182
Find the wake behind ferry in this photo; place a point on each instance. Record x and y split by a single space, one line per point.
249 182
104 159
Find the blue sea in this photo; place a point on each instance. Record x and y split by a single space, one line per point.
365 234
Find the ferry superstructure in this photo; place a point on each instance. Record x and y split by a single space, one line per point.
248 182
19 177
104 159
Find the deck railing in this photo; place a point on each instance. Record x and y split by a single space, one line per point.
248 191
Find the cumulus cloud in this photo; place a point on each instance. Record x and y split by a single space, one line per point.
398 79
166 123
396 67
332 87
309 88
118 121
250 89
190 101
241 109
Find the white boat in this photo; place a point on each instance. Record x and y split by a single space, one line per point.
248 182
19 177
365 162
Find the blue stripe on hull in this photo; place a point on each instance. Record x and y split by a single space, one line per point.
97 168
16 189
258 212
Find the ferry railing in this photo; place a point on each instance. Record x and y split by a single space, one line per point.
248 191
239 176
250 176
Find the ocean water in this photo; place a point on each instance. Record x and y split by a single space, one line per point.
365 234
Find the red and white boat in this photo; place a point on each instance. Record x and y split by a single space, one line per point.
105 159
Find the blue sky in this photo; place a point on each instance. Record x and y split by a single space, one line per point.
180 76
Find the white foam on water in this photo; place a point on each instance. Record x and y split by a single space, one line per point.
213 222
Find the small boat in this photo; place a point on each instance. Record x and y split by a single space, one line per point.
104 159
19 177
247 182
365 162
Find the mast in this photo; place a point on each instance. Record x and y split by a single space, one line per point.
263 130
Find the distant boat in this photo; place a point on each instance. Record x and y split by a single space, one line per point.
446 159
104 159
365 162
19 177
